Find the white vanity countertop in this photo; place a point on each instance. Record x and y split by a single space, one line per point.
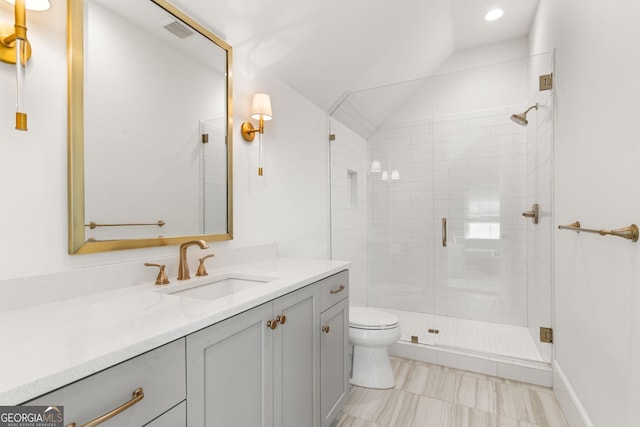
47 346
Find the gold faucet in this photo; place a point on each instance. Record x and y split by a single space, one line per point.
183 267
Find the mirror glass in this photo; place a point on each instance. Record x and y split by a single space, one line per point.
149 127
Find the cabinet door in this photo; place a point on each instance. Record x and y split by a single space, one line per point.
296 357
334 381
229 372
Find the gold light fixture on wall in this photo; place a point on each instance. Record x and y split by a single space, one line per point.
15 49
261 111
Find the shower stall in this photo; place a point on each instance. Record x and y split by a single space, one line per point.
429 182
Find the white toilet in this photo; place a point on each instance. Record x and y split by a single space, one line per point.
371 331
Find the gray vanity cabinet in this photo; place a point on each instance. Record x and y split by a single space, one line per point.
270 366
255 370
334 321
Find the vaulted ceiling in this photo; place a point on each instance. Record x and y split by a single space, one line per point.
327 48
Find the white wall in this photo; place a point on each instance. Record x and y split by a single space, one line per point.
288 205
597 291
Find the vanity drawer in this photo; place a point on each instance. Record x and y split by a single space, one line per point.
334 289
160 373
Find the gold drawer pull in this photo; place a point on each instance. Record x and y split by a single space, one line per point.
326 329
272 323
136 396
336 290
282 319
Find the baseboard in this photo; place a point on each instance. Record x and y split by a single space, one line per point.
573 411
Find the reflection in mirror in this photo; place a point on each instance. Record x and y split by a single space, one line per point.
150 142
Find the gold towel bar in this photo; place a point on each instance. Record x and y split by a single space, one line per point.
93 225
630 232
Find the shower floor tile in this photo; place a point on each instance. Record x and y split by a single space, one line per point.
469 335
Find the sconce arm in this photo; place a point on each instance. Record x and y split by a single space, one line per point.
248 131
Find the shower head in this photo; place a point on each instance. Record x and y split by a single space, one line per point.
521 118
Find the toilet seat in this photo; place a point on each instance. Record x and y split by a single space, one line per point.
369 318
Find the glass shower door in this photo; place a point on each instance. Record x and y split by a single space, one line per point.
480 157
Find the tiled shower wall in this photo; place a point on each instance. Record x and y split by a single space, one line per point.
349 206
471 169
401 217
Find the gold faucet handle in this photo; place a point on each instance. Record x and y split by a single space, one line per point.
202 271
162 278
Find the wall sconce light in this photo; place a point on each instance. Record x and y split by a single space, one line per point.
261 111
15 49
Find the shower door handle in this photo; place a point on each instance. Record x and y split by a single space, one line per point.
444 232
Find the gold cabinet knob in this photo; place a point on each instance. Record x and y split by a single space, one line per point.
282 319
326 329
272 324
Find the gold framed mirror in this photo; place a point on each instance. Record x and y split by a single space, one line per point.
149 127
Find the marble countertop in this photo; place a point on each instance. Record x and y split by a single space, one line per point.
47 346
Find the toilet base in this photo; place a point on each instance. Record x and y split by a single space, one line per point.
372 368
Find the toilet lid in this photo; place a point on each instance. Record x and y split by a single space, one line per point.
371 318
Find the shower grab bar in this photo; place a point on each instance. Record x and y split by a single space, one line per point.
630 233
93 225
444 232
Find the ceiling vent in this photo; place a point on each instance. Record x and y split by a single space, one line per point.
179 30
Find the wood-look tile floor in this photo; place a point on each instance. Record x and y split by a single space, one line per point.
429 395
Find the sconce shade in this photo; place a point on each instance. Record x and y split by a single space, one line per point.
261 107
37 5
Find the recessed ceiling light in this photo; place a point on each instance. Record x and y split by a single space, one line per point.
494 14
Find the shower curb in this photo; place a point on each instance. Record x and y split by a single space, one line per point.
538 373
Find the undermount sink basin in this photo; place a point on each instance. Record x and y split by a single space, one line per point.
218 286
